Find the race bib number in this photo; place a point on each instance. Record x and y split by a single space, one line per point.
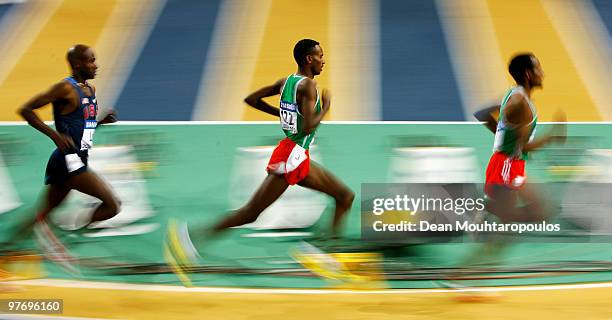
88 134
288 117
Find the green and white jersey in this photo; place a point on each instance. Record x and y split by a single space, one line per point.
506 136
292 121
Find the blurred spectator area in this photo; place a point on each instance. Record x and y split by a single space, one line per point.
385 59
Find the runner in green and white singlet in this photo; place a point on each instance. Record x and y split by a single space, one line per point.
509 197
506 136
300 112
291 119
515 131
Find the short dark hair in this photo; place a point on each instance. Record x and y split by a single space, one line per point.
76 53
519 64
303 48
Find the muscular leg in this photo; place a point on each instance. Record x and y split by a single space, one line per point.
54 195
506 205
503 203
535 208
270 190
91 184
324 181
179 249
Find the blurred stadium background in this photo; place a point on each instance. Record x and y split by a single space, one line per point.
389 60
386 60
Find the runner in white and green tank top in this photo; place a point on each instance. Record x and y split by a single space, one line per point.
291 119
506 137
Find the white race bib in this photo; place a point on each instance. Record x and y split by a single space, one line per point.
88 134
288 116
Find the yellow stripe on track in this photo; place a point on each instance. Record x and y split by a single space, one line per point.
231 60
288 22
523 25
354 41
23 23
169 302
477 62
120 43
44 62
586 38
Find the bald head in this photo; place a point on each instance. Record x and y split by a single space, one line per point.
76 54
82 61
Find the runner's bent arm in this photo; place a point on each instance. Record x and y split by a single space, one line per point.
255 99
110 117
557 133
307 98
111 114
518 114
489 116
58 91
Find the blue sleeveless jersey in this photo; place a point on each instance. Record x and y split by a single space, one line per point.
80 124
